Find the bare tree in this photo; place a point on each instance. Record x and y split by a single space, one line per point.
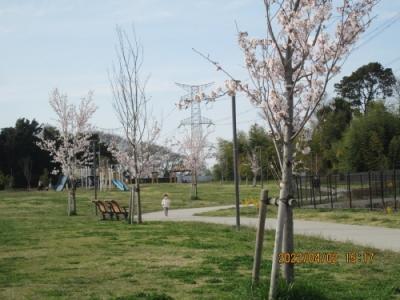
71 150
131 104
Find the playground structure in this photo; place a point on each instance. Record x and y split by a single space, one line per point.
176 173
61 183
105 177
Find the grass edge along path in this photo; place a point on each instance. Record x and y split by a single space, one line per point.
377 218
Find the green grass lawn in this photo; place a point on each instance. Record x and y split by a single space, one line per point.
46 255
210 194
347 216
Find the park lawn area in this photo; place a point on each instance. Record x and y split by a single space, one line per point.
210 194
347 216
46 255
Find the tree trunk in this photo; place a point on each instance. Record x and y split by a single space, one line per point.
288 246
139 204
284 230
131 209
254 180
72 199
69 206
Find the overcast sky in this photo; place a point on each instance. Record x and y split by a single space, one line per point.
69 44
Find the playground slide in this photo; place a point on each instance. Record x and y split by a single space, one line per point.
61 183
126 188
120 185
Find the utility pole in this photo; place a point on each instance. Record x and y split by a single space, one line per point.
235 162
94 169
261 169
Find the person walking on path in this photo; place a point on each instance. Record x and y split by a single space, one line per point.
165 203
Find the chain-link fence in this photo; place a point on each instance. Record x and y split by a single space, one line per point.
371 190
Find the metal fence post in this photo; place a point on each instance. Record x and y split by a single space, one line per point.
306 188
336 187
382 191
395 189
297 189
370 190
362 186
301 191
319 189
312 190
329 186
349 189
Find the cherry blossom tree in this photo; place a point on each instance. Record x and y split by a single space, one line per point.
289 69
254 164
71 149
131 106
194 149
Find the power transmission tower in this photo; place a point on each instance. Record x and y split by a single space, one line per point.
196 122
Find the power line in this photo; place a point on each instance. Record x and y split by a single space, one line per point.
393 61
239 114
241 122
378 30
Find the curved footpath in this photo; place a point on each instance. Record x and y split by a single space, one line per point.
376 237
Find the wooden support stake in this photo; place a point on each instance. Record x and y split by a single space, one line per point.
260 236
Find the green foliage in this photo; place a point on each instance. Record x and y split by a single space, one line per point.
332 121
394 152
365 144
367 83
247 142
18 145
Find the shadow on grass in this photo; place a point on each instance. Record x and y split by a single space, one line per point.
146 296
299 291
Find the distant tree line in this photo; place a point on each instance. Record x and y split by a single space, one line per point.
22 162
359 129
256 153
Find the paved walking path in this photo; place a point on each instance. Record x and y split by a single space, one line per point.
376 237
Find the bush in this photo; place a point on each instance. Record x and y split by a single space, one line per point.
44 178
5 181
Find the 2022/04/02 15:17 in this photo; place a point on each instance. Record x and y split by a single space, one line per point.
325 257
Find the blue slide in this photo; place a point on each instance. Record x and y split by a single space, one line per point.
61 183
120 185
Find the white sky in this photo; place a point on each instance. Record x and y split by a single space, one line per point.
69 44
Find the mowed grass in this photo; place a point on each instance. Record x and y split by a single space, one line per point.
46 255
346 216
210 194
